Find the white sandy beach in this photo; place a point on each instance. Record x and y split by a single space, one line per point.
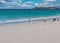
37 32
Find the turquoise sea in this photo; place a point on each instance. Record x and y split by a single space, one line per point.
13 15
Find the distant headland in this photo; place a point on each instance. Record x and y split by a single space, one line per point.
47 8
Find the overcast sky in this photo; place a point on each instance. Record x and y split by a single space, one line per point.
11 4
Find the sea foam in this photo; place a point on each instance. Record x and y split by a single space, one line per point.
29 20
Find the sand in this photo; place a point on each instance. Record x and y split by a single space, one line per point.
37 32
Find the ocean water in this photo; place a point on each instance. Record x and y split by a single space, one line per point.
15 15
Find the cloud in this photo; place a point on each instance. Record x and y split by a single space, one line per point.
15 4
48 3
28 4
2 1
5 4
20 4
50 0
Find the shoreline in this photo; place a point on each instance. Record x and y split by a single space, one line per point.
30 20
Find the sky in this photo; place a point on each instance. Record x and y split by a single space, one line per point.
26 4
